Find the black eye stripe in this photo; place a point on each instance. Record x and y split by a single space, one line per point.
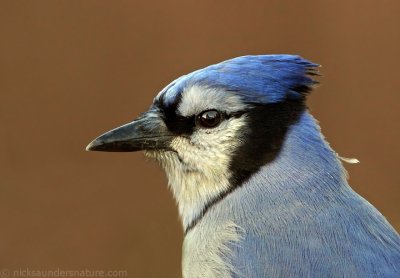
180 125
185 125
235 114
212 118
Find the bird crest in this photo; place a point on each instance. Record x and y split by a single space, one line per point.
257 79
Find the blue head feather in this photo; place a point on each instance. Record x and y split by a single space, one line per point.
257 79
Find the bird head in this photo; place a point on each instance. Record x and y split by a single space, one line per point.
213 128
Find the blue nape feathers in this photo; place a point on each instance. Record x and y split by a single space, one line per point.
259 190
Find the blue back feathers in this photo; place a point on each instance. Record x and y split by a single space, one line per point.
257 79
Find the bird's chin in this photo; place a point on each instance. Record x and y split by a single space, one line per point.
152 154
160 154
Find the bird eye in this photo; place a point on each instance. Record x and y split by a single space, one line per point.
209 118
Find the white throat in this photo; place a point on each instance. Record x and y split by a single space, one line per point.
196 175
193 188
197 168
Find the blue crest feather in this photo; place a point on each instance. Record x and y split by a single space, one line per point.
256 78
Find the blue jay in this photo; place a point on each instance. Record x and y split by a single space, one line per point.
259 190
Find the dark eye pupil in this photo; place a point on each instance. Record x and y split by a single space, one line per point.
210 118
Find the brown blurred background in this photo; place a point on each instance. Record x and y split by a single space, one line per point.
70 70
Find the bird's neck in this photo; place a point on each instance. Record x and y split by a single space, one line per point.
194 187
305 168
305 159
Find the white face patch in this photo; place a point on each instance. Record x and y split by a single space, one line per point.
196 99
198 167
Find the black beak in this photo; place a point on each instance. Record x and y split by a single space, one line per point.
148 132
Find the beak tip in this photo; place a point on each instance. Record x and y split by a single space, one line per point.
92 146
87 148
